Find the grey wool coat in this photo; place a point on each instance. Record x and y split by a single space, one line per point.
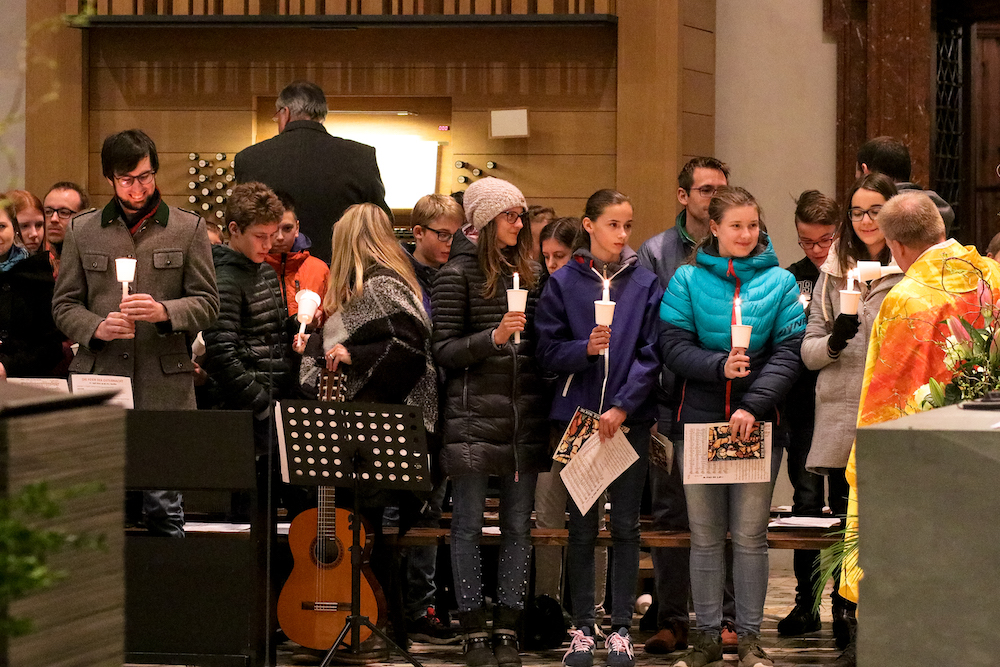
174 267
838 387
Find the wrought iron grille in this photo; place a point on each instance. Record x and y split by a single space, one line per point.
946 175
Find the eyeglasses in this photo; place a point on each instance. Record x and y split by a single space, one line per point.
277 113
63 213
706 190
858 214
822 244
510 217
145 178
443 236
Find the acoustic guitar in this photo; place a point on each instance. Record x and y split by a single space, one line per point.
316 599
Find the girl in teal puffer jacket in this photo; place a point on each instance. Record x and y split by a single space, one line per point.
739 386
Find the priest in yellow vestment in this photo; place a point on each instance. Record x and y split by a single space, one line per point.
907 345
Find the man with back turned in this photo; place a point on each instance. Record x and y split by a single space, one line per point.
323 174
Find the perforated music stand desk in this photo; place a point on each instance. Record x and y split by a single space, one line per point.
382 446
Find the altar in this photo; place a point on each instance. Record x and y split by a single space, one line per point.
929 517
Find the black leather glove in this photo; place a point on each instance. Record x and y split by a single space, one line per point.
845 327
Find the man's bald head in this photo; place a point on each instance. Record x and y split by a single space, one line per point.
911 224
912 219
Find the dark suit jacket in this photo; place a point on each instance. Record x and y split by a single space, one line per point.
323 174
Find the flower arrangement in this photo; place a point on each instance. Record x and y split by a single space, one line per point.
972 354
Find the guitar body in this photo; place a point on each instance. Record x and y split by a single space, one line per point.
316 599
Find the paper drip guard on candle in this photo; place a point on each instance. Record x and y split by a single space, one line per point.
849 301
604 313
517 301
741 335
869 270
125 269
308 304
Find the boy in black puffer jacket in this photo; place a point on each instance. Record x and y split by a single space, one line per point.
248 354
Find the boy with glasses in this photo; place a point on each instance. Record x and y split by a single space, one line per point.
143 336
63 201
436 219
816 218
668 618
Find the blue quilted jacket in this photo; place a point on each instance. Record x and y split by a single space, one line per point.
697 311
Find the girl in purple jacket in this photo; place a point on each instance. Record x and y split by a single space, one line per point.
620 390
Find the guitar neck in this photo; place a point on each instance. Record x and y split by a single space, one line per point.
326 521
331 388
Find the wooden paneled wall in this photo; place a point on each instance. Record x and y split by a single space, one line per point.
666 102
194 91
342 7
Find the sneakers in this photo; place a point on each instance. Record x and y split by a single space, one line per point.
706 649
801 620
429 629
730 640
581 649
751 654
668 639
620 651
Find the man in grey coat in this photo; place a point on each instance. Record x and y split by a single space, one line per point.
146 335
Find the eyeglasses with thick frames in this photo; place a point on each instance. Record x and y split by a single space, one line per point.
63 213
145 178
443 236
706 190
822 244
858 214
510 217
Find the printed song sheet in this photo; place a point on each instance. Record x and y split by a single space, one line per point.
52 384
123 385
712 457
594 466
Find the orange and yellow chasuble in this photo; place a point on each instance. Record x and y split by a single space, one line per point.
907 349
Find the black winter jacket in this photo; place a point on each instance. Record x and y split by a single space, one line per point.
30 343
249 346
495 405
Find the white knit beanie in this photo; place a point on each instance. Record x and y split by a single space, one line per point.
489 197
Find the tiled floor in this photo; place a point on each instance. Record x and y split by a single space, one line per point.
817 649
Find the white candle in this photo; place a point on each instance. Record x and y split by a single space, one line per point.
124 290
738 311
850 279
607 290
804 300
517 281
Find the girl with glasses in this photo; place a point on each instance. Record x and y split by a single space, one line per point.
836 345
495 410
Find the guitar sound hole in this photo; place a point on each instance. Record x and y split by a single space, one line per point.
326 551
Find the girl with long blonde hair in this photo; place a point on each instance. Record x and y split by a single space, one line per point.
373 320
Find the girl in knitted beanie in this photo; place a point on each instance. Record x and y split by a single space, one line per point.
495 409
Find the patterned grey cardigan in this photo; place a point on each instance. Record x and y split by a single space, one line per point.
388 335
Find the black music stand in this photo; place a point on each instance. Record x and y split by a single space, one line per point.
324 443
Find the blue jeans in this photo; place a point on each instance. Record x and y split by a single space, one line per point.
744 511
626 498
469 500
421 562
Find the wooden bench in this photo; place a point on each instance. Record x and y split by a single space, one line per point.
792 538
